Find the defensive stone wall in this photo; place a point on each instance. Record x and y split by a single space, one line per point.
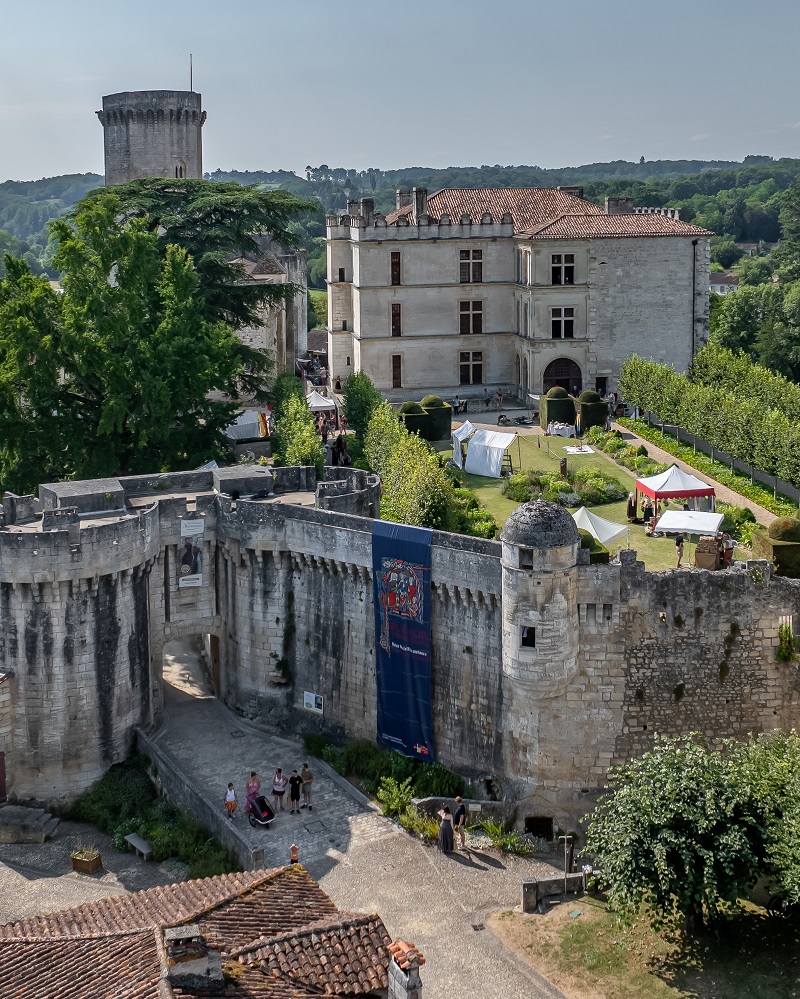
286 599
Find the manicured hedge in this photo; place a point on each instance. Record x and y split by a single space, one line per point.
557 406
743 427
784 554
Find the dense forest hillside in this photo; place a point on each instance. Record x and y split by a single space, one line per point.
739 201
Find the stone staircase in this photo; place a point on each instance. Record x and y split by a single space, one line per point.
20 824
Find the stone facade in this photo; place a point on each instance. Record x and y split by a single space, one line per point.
152 133
466 289
545 669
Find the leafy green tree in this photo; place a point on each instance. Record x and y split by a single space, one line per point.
790 228
384 433
724 251
217 224
285 387
33 434
361 398
678 833
415 489
296 440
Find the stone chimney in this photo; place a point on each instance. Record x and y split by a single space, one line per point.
575 192
404 981
368 210
619 206
420 198
352 207
190 964
402 197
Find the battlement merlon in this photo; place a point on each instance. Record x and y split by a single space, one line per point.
356 228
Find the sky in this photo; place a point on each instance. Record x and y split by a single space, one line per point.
368 83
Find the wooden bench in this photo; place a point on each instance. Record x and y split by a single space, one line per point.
139 846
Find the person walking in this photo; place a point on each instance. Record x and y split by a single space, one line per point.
231 803
487 399
295 783
460 820
727 557
679 550
445 830
308 781
279 782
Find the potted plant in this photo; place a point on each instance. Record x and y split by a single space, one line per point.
86 859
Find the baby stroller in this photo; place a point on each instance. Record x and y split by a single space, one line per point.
259 811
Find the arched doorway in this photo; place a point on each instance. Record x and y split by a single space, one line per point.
563 373
516 370
525 383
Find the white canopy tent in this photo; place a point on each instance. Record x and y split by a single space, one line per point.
319 404
460 434
688 522
485 452
245 427
604 531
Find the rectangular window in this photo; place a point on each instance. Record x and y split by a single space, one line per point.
526 558
341 273
470 367
527 638
563 268
470 266
562 324
470 317
397 325
397 371
395 268
344 325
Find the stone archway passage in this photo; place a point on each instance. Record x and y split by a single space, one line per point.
562 373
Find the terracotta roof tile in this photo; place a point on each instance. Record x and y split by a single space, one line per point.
347 955
246 983
406 954
126 967
547 213
169 905
581 226
529 206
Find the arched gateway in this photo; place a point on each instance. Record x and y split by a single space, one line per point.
562 373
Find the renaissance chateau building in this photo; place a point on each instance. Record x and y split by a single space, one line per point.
515 288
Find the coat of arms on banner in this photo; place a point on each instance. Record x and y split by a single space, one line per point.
400 594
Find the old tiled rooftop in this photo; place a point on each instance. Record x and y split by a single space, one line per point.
547 213
279 935
347 955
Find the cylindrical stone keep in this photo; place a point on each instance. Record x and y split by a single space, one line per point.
152 133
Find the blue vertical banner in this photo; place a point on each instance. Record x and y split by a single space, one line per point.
401 565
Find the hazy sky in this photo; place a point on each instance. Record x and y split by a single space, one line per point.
362 83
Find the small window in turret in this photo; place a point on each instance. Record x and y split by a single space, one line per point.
527 638
526 558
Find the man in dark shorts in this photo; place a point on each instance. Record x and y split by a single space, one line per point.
295 783
460 820
308 781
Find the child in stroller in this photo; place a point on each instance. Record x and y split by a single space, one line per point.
259 811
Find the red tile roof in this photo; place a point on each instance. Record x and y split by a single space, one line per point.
406 954
126 967
529 206
580 226
547 213
280 934
347 955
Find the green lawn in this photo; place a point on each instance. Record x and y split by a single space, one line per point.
534 451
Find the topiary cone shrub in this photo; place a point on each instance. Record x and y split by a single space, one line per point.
557 406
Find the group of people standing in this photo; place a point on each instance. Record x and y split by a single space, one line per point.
452 824
296 784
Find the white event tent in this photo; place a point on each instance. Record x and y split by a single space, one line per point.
245 427
317 403
460 434
485 452
604 531
688 522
